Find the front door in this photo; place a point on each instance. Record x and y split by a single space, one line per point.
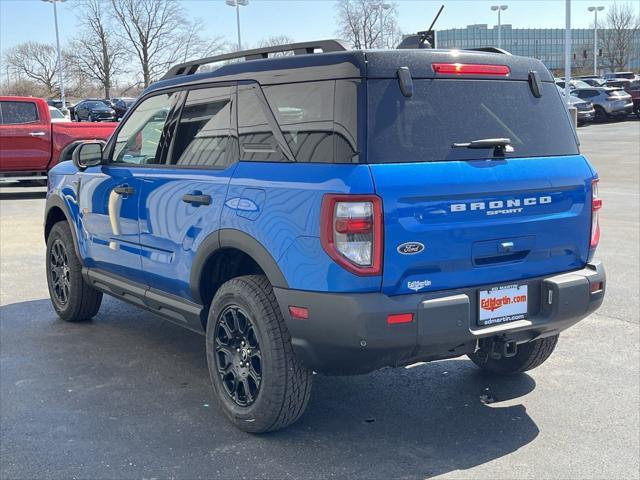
110 194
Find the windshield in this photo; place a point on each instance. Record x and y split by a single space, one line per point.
95 105
423 127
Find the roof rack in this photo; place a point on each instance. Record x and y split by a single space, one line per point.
304 48
489 50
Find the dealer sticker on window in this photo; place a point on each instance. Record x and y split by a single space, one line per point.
505 303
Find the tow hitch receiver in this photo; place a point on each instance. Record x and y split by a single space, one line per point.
497 348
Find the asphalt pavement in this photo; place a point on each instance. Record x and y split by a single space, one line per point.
128 395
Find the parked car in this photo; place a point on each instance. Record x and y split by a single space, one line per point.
573 84
336 212
121 105
94 111
585 111
615 75
594 81
607 102
57 115
33 138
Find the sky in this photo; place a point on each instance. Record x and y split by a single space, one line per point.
23 20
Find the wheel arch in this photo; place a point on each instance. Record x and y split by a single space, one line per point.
56 210
235 243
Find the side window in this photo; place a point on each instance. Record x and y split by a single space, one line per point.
138 141
319 120
257 139
203 137
304 112
18 113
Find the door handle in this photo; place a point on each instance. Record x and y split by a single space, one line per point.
197 199
37 134
124 190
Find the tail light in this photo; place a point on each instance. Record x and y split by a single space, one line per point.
351 232
470 69
596 205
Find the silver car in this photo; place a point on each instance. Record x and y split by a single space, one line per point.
607 102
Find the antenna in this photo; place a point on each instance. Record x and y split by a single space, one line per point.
426 33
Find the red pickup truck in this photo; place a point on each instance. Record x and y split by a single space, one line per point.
31 143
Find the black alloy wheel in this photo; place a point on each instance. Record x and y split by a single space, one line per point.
59 272
237 355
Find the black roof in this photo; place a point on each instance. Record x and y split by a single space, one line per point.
349 64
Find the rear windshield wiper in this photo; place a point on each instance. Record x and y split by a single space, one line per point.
500 145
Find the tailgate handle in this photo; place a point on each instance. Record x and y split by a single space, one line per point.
506 247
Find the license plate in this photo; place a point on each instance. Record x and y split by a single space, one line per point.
505 303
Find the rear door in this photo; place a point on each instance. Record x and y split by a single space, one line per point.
182 199
25 138
456 216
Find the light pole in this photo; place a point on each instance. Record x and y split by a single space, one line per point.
382 6
567 52
499 8
60 67
595 11
237 4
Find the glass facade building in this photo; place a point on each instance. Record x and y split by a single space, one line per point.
545 44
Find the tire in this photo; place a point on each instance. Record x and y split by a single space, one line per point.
601 114
81 301
279 385
529 356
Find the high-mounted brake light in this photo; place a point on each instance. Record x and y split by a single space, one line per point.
596 205
470 69
351 232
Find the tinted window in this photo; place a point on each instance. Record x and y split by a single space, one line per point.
257 139
441 112
139 138
203 134
17 113
304 112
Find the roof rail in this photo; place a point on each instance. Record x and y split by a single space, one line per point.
489 50
303 48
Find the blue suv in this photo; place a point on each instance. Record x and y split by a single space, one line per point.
335 211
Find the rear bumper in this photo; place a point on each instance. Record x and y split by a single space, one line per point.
349 334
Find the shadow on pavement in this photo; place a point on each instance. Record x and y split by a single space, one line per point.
21 195
128 395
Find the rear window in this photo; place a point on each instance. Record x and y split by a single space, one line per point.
441 112
18 113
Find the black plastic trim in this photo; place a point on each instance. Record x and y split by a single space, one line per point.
177 310
56 202
231 238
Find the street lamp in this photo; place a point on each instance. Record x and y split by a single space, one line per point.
499 8
237 4
595 11
60 67
382 6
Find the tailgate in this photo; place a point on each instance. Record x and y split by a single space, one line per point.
458 224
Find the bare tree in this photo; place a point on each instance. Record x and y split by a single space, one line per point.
365 24
98 52
620 27
159 35
37 62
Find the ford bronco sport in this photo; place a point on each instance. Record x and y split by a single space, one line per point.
336 211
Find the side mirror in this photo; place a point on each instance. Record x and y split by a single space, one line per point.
87 154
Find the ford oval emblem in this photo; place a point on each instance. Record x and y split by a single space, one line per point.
410 248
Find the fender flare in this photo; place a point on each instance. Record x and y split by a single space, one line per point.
57 202
231 238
